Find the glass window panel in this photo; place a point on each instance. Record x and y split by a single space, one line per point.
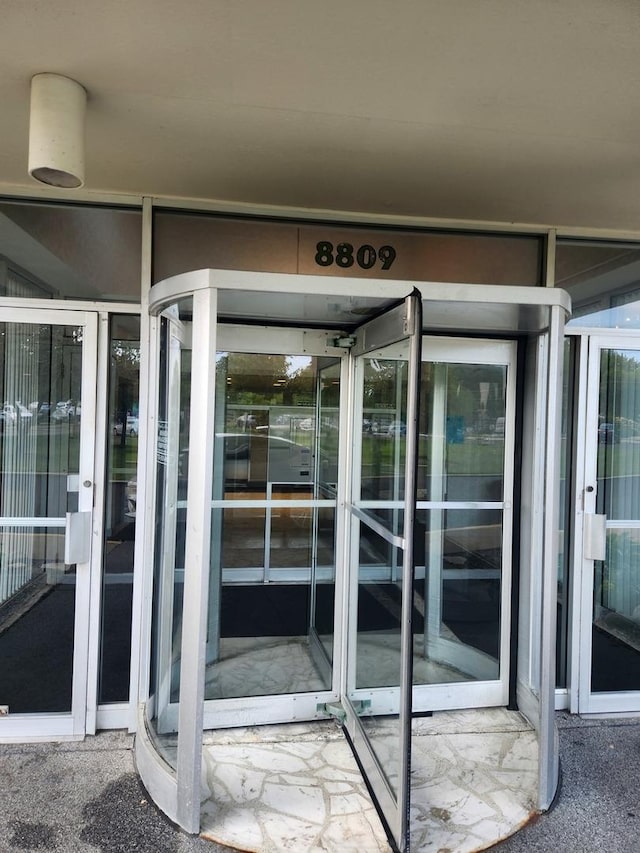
565 511
602 280
383 429
243 541
273 563
36 621
64 251
616 614
40 414
120 509
329 429
462 432
171 492
457 595
378 641
618 494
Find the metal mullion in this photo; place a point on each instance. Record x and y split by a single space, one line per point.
414 305
197 558
86 461
548 754
98 544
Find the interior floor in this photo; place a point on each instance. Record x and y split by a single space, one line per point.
298 787
266 666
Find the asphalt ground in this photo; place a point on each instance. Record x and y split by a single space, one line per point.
86 797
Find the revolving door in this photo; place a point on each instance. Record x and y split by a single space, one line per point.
320 534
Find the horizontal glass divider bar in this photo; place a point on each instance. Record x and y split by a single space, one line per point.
618 524
432 504
471 574
7 521
459 505
265 503
377 527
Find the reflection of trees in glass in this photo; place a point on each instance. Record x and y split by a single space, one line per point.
475 394
620 391
125 383
264 379
617 580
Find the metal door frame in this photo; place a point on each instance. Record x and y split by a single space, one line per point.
402 322
72 725
493 692
583 699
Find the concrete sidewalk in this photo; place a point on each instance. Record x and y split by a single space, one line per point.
86 797
598 806
82 798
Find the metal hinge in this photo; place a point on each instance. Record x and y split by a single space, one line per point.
336 709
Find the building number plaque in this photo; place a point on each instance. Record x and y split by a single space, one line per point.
345 255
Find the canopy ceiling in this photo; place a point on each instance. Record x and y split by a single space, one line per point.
500 110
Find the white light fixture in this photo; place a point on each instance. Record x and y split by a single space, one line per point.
56 131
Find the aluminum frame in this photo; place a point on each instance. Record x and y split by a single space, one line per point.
557 304
588 701
53 726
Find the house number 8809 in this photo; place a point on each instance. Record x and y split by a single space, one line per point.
345 255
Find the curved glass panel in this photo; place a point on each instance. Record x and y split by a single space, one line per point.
169 568
272 562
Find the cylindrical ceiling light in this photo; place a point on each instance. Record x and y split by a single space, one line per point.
56 131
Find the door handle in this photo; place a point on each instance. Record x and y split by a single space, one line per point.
77 540
595 536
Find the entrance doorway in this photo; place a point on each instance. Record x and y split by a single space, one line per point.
47 431
610 641
335 519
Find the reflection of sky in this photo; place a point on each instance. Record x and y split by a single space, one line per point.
296 363
618 317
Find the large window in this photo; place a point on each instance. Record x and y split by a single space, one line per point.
56 251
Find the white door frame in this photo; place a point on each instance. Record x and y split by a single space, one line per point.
582 699
490 692
49 726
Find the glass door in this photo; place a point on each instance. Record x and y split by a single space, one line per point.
464 523
610 646
323 569
47 427
380 512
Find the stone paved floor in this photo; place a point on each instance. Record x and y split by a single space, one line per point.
298 788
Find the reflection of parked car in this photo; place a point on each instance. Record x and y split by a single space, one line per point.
64 410
247 421
8 416
397 428
25 415
132 426
257 457
607 434
44 412
248 458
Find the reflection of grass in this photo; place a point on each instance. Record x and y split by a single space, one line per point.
616 460
58 452
465 458
124 458
475 459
